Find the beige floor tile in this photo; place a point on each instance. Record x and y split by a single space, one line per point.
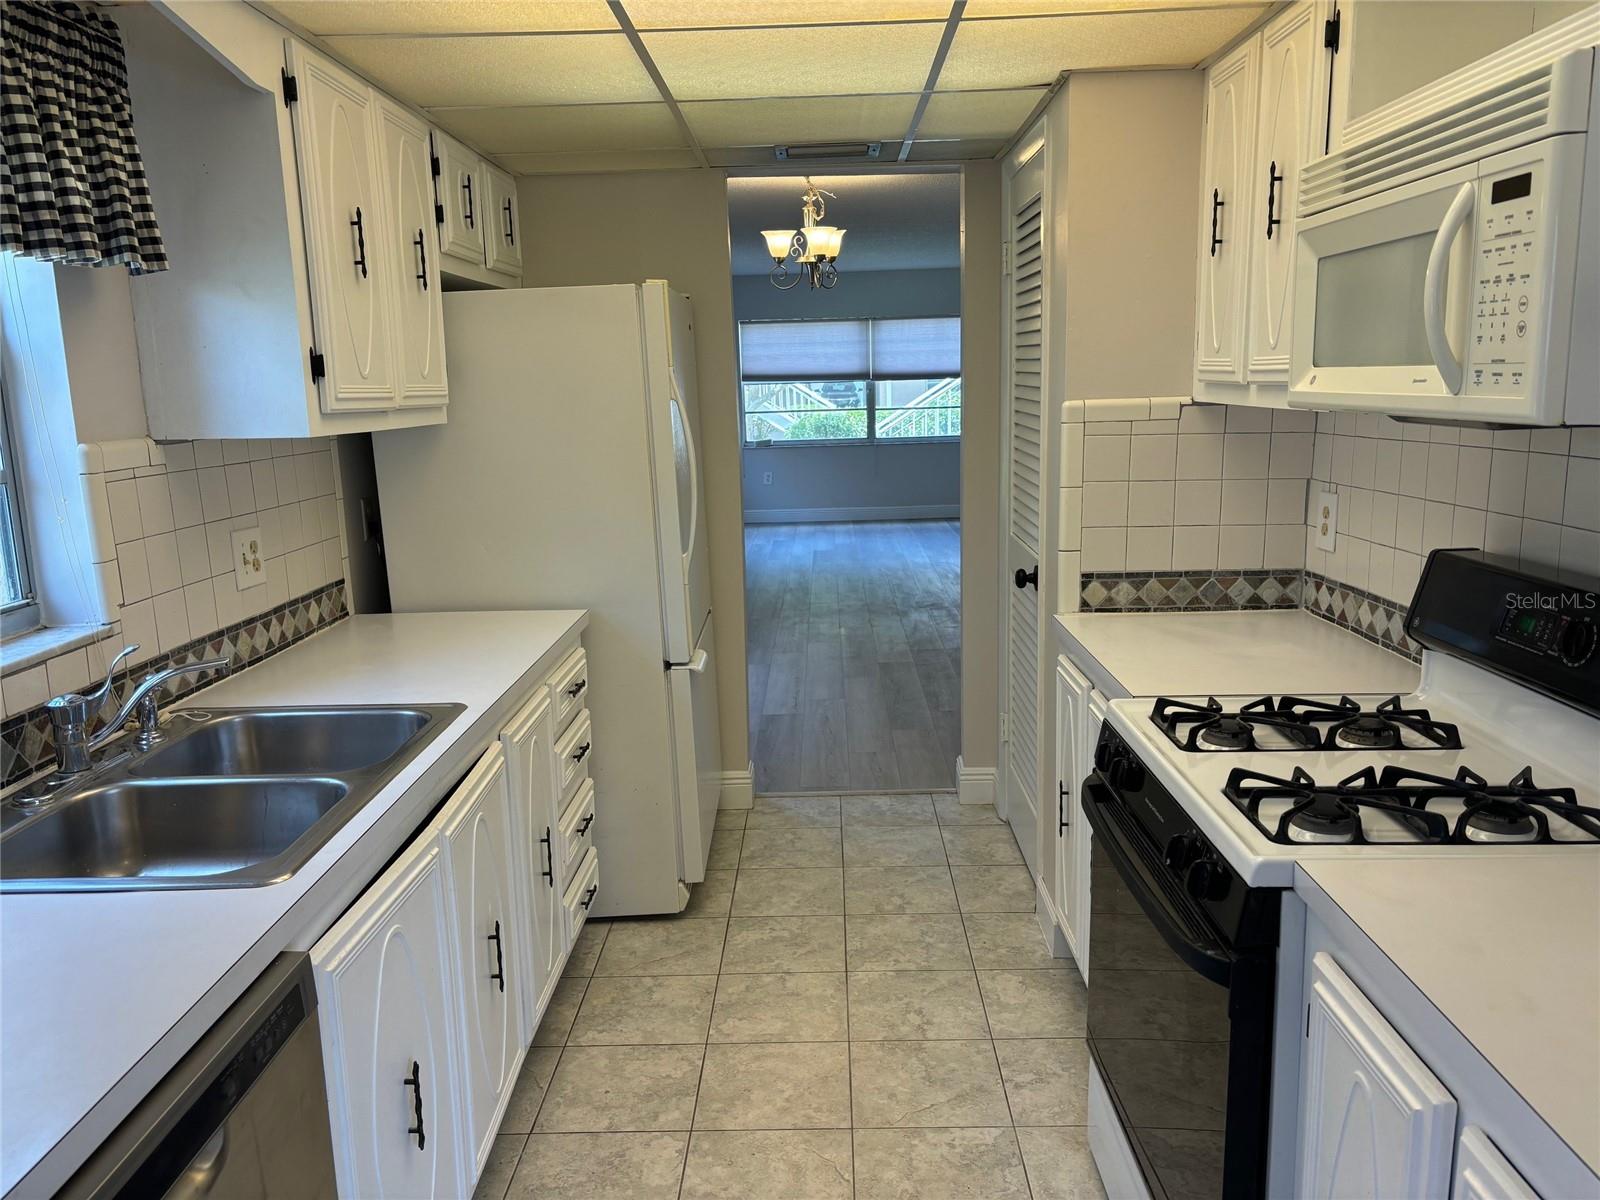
528 1093
634 1010
906 1085
994 889
791 848
1059 1164
935 942
911 1005
895 846
981 845
731 818
560 1012
500 1167
898 890
765 945
952 812
711 897
938 1164
586 950
795 1085
887 810
794 812
604 1088
790 1007
601 1166
790 892
725 846
1047 1081
1009 941
1033 1004
662 947
773 1164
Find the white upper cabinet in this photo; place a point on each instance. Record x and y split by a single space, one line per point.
403 157
460 186
503 233
1227 213
1374 1121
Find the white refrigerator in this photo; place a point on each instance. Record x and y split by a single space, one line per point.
568 476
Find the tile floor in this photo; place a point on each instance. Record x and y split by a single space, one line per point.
856 1005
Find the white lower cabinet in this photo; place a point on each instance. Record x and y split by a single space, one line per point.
475 829
580 894
1374 1120
1077 727
527 742
387 1001
1482 1172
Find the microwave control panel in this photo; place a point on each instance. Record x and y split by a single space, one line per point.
1506 287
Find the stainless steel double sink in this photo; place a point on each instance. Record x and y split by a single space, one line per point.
230 797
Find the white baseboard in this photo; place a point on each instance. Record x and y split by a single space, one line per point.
1052 924
974 785
1108 1143
738 788
890 512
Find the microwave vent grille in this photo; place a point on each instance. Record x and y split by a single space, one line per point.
1513 112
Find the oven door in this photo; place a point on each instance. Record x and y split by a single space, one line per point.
1183 1050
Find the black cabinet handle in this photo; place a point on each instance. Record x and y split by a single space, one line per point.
466 186
588 897
577 687
414 1080
1061 809
422 259
1025 578
1217 205
1274 178
511 232
361 242
499 958
580 753
584 828
549 869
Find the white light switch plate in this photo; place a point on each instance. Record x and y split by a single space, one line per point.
1327 519
248 567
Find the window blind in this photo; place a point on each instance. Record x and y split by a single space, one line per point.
891 348
916 348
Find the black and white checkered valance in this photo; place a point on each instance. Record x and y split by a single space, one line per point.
72 184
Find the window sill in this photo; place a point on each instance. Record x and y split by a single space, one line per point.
40 645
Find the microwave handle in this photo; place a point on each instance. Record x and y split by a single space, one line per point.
1455 218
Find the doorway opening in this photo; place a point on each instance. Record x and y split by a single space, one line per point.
850 420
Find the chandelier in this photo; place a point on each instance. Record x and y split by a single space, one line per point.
814 246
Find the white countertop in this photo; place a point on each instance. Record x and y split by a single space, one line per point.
1507 948
102 993
1238 653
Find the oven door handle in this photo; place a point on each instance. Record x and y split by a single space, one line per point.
1210 961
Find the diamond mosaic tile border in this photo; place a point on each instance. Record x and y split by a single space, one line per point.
26 743
1380 621
1189 591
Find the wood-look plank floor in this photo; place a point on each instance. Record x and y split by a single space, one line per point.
854 655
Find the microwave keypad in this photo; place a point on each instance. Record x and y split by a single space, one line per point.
1503 301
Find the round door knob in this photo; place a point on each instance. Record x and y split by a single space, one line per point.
1024 578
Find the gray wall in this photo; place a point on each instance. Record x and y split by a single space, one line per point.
852 483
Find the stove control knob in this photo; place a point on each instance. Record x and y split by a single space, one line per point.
1105 754
1207 880
1182 850
1576 645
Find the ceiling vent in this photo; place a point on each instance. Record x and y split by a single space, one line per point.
831 151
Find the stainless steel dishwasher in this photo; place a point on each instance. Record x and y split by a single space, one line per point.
243 1116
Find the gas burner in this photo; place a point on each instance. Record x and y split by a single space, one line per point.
1366 732
1207 727
1227 733
1499 821
1518 811
1323 815
1296 723
1326 817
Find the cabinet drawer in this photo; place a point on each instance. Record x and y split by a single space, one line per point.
577 827
581 892
569 688
572 757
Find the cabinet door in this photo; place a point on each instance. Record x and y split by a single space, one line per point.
1374 1121
1291 55
503 234
393 1092
529 757
1482 1172
461 200
413 257
489 965
1071 696
334 130
1226 215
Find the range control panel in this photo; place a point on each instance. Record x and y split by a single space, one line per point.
1506 284
1570 637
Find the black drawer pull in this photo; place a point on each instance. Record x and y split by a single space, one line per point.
467 215
580 753
511 232
577 687
588 897
549 869
1217 205
414 1080
584 828
1061 809
422 260
361 242
1274 178
499 958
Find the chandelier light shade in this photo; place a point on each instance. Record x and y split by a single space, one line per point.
814 246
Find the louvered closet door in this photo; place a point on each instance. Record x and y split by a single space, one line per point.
1025 425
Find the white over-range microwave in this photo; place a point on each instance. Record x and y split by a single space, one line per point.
1449 268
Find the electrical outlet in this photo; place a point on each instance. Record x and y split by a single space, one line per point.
766 477
248 567
1327 519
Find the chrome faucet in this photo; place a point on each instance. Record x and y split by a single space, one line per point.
72 713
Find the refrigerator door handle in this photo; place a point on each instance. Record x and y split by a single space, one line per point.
697 663
694 469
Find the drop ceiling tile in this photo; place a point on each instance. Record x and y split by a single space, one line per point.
695 14
728 64
601 162
977 114
761 156
545 129
962 150
1029 51
979 9
817 119
444 16
562 68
